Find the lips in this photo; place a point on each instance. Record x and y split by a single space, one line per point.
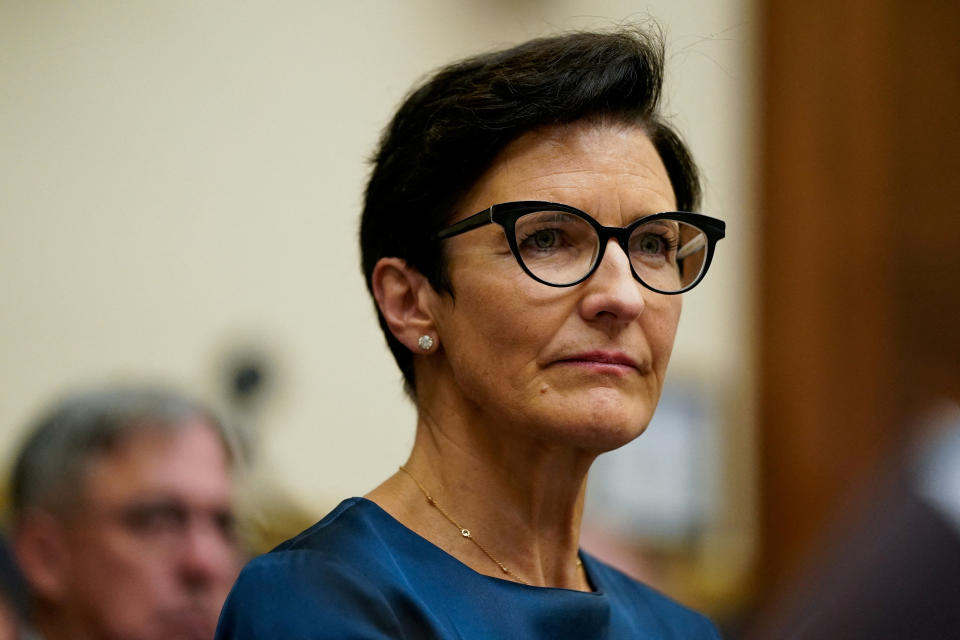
615 358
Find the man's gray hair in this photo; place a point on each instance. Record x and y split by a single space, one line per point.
82 427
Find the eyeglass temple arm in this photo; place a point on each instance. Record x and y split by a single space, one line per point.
474 221
692 247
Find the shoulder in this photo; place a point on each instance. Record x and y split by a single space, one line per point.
646 607
283 593
351 518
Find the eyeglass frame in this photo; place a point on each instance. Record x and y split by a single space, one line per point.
506 215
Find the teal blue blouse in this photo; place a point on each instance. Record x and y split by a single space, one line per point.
359 573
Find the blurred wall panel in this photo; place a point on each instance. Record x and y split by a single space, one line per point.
859 150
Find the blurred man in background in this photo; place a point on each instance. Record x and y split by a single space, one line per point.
122 518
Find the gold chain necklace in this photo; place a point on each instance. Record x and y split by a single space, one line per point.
466 532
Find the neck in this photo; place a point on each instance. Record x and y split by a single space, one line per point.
520 498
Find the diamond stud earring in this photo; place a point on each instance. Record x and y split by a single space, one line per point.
425 343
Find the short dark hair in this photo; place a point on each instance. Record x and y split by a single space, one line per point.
449 130
83 426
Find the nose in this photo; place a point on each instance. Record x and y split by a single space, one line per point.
207 558
612 294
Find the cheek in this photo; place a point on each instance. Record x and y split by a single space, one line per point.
661 329
489 338
499 330
121 563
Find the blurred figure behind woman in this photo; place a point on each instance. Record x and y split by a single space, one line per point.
122 517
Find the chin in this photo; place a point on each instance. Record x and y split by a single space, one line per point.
603 438
598 430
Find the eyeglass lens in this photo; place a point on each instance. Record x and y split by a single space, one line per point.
561 248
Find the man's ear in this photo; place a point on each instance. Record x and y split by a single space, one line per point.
403 295
41 552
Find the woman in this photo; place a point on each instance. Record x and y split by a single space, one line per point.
528 339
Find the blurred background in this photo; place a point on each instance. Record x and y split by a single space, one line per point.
180 187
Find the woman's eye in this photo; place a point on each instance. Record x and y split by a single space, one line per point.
650 244
545 238
542 240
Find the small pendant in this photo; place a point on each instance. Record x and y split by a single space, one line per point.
465 533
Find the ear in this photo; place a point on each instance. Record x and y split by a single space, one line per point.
404 297
41 553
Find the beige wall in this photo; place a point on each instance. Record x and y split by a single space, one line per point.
179 177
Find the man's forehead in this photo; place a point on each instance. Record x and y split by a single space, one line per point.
188 460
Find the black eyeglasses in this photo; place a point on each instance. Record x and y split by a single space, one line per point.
561 246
